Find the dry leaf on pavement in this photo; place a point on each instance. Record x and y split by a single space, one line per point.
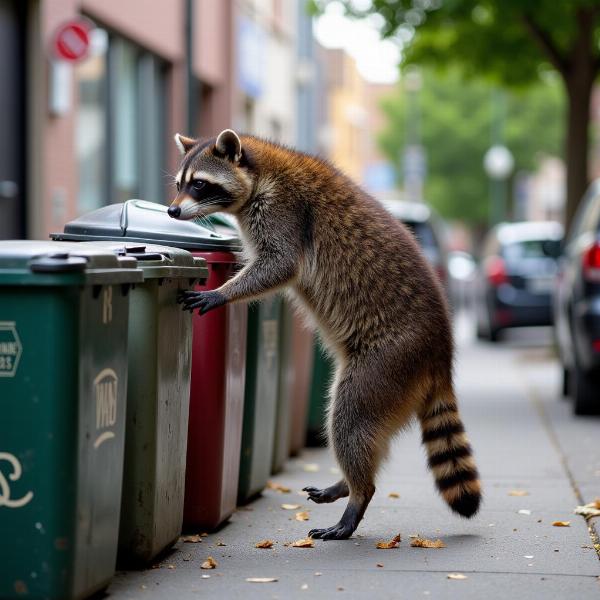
562 524
425 543
393 495
264 544
393 543
589 510
303 543
456 576
261 579
302 516
311 467
191 539
518 493
209 563
290 506
282 489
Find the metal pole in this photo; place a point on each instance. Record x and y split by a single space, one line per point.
192 95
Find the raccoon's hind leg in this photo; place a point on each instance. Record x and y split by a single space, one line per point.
359 442
330 494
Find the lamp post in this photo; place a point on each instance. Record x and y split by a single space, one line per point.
498 163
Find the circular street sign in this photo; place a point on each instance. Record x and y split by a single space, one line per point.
71 41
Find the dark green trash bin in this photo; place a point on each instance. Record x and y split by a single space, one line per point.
160 339
260 399
63 381
319 394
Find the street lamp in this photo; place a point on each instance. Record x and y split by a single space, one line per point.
498 163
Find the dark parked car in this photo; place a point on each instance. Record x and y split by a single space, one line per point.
427 228
516 276
577 306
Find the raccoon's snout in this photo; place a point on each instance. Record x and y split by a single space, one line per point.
174 212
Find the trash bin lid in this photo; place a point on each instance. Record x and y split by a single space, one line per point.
147 222
45 262
157 261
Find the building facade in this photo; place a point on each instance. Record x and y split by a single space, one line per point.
79 136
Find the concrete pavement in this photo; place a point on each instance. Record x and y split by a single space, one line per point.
524 438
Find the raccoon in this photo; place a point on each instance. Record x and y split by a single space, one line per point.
361 277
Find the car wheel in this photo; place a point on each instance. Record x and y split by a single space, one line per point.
584 387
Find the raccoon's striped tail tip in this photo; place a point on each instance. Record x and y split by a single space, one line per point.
466 505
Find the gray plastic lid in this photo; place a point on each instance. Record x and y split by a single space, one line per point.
24 261
155 261
147 222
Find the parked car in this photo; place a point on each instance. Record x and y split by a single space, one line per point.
427 228
577 306
516 276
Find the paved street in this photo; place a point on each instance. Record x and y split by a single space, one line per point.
525 439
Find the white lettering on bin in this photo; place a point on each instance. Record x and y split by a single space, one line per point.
107 312
105 389
13 476
10 349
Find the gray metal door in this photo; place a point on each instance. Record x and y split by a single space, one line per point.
12 112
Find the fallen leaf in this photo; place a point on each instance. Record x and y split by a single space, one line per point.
219 543
589 510
379 565
561 524
393 543
204 534
302 516
518 493
209 563
456 576
303 543
282 489
524 511
311 467
425 543
170 567
261 579
205 576
393 495
264 544
290 506
191 539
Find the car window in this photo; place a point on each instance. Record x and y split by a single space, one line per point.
423 232
529 249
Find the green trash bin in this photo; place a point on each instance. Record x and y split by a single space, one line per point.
158 393
63 381
281 446
260 398
319 396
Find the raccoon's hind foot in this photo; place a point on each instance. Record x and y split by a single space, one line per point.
326 495
204 301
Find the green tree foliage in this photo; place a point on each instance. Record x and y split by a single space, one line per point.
455 121
510 41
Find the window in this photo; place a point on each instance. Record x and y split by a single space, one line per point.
120 125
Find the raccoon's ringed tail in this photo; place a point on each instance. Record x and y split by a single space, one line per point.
450 457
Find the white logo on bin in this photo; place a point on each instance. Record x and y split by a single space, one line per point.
13 476
10 349
107 312
105 387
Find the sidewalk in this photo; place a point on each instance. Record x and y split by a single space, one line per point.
502 552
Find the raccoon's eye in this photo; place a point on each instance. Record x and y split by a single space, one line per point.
198 184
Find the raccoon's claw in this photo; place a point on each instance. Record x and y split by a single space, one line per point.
204 301
340 531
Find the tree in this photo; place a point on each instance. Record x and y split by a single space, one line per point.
510 40
455 116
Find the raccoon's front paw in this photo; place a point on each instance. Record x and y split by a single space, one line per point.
204 301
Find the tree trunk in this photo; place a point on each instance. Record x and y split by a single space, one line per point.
580 71
577 145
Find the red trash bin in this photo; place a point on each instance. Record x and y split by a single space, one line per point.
216 403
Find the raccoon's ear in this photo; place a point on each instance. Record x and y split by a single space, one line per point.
229 145
185 144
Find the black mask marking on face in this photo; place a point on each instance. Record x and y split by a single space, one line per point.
206 192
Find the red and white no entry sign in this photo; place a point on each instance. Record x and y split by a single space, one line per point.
71 41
